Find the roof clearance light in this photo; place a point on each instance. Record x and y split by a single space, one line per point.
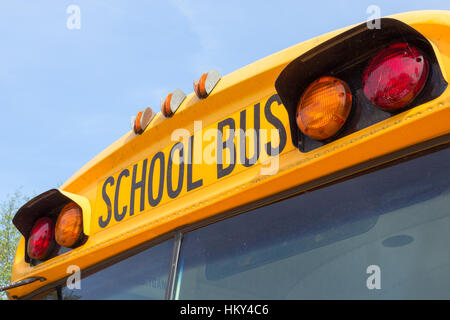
69 226
199 87
40 242
324 107
206 84
395 76
142 120
172 102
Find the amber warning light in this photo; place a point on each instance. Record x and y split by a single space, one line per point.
69 226
324 107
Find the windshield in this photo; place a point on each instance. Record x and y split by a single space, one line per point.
381 235
140 277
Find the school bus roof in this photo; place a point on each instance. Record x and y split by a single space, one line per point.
240 86
241 90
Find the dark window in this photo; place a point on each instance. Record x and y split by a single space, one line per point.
142 276
322 244
48 295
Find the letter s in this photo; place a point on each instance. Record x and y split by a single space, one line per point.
103 223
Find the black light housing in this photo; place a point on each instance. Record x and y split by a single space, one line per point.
46 205
346 57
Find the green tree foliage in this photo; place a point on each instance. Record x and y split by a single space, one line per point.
9 236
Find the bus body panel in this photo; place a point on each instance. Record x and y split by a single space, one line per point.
241 90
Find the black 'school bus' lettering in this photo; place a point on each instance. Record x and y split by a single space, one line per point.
103 223
190 184
174 193
155 201
138 185
228 144
222 169
246 162
117 216
272 119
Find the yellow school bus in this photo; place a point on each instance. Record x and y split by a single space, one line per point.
319 172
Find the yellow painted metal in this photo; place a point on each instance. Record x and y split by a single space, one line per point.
242 89
204 167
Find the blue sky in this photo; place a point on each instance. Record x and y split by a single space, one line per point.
65 95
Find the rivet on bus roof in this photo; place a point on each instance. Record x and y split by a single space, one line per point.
172 102
140 122
206 84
